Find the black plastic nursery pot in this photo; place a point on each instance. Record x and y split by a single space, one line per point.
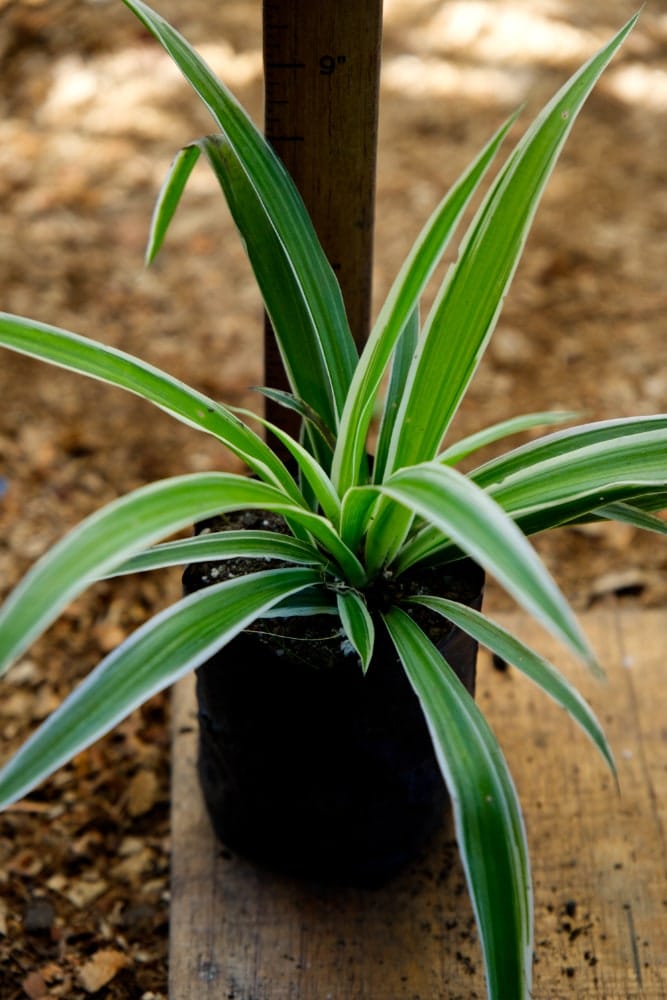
307 765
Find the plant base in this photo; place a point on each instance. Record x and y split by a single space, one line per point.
310 767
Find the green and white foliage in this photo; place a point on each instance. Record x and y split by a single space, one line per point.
347 523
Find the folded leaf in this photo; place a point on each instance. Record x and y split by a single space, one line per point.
169 197
357 623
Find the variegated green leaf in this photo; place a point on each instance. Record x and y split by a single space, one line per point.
356 514
107 364
530 663
123 528
399 307
455 453
170 645
310 416
464 513
572 484
564 444
278 197
400 367
464 315
311 470
110 536
218 545
564 477
311 374
630 514
169 197
487 815
357 623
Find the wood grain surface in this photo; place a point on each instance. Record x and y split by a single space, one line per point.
321 92
321 85
599 860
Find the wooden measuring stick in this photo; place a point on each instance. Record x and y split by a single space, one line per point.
321 83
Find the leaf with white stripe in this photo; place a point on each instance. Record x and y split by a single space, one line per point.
540 671
167 647
487 815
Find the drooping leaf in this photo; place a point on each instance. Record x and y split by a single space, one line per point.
167 647
107 364
525 659
123 528
455 506
487 815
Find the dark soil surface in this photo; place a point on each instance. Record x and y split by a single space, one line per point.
90 115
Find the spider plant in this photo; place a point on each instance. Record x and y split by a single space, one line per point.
351 522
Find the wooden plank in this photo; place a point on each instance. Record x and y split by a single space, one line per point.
599 861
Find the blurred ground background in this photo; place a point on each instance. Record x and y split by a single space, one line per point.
90 114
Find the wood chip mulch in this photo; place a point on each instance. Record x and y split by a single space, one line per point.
84 866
